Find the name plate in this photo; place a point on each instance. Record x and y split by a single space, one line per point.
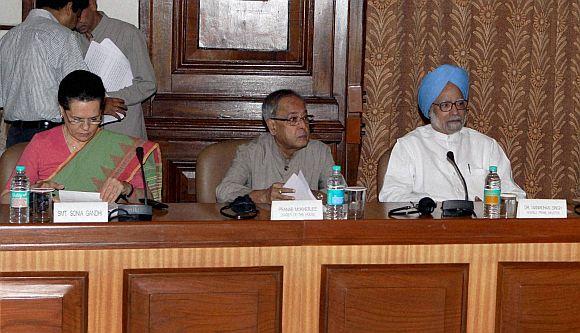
297 210
542 208
66 212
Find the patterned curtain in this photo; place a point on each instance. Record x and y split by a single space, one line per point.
523 57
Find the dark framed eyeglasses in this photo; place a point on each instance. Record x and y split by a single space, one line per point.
295 120
460 104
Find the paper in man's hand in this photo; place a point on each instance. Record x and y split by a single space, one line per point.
299 184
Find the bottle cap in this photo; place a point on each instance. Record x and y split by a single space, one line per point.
492 168
336 168
20 168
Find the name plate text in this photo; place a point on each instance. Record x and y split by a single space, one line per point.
542 208
297 210
67 212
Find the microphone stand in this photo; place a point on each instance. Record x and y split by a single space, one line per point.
137 212
455 208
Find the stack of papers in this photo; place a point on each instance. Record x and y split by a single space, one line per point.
107 61
300 186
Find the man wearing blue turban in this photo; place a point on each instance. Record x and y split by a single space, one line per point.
418 166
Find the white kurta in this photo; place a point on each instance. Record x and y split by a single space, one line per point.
418 166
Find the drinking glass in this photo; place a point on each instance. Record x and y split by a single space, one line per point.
508 205
41 204
355 197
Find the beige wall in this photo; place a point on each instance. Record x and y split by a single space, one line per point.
127 10
11 12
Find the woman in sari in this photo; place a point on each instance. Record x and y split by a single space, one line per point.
80 156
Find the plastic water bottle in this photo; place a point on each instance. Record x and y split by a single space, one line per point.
335 187
19 197
491 194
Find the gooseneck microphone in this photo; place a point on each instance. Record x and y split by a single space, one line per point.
451 159
137 212
457 207
139 152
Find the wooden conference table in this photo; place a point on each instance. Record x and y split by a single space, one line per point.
192 271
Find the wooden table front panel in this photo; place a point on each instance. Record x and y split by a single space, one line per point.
203 300
394 298
302 276
47 302
538 297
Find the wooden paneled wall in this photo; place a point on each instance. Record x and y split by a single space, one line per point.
215 61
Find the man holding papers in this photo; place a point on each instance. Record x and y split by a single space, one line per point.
261 167
120 40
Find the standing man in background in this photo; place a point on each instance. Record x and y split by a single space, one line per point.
95 25
34 57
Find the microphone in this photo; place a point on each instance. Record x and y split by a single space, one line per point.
457 207
139 152
137 212
451 159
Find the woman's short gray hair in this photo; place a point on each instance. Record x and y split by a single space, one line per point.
270 105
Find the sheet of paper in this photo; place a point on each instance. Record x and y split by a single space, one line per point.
108 119
107 61
300 186
77 196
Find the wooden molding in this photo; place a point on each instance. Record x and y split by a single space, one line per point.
190 58
59 301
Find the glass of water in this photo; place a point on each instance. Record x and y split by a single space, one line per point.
355 200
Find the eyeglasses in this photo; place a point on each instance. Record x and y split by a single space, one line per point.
460 105
295 120
86 121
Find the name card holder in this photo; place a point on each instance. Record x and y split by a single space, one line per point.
542 208
297 210
81 212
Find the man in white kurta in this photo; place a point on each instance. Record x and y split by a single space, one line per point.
418 166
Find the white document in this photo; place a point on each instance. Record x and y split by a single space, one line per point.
107 61
300 186
77 196
107 119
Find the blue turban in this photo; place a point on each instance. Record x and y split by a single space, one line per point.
433 84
